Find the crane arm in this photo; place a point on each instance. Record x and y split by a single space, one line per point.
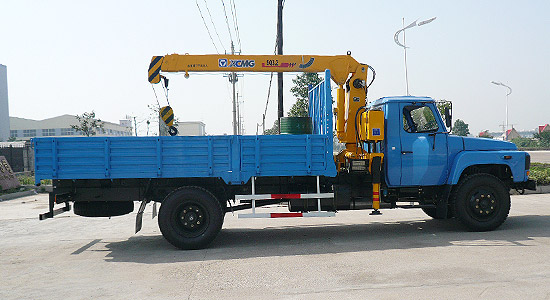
340 66
344 70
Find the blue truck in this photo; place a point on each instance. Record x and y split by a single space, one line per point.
403 157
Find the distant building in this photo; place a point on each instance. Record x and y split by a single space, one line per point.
126 123
191 128
4 107
24 129
527 134
510 134
485 134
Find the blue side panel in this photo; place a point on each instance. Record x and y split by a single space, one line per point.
233 158
464 159
455 145
320 106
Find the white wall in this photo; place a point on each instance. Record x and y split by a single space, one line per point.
24 129
4 108
191 128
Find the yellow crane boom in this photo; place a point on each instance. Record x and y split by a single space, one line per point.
344 70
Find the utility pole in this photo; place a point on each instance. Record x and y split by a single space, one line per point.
135 125
404 45
507 94
233 80
405 48
280 52
239 124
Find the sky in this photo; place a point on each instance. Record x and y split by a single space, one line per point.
70 57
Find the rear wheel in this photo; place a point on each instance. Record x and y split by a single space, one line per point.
481 202
190 217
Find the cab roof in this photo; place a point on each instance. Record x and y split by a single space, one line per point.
400 99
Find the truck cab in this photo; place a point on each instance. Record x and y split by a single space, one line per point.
416 144
420 151
449 176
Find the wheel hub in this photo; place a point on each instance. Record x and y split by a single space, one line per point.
483 203
192 217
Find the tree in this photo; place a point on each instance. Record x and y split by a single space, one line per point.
88 124
300 91
274 129
522 142
460 128
544 138
441 106
12 139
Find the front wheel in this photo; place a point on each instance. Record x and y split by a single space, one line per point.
190 217
481 202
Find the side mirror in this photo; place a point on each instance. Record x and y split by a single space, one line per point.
448 118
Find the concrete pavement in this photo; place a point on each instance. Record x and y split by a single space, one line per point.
402 254
540 156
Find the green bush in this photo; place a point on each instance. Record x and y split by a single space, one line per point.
522 142
540 173
25 179
29 180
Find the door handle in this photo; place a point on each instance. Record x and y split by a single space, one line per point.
405 152
433 145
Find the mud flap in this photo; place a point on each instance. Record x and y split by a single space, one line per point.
139 216
442 208
154 210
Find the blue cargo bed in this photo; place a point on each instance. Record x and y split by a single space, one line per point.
233 158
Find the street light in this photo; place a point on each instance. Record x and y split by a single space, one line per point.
508 94
404 45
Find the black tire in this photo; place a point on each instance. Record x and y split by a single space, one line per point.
103 208
190 217
481 202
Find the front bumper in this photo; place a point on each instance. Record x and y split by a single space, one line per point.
530 184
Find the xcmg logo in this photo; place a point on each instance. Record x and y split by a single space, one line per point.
236 63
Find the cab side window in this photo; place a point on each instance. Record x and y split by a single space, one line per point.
419 119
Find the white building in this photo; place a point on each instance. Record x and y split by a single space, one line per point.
24 129
191 128
509 135
4 107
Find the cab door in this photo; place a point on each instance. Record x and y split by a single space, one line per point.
423 145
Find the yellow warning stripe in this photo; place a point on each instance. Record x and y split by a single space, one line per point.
167 115
154 69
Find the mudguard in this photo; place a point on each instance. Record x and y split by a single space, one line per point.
513 159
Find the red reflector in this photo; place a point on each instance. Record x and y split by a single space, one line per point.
375 193
286 215
285 196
